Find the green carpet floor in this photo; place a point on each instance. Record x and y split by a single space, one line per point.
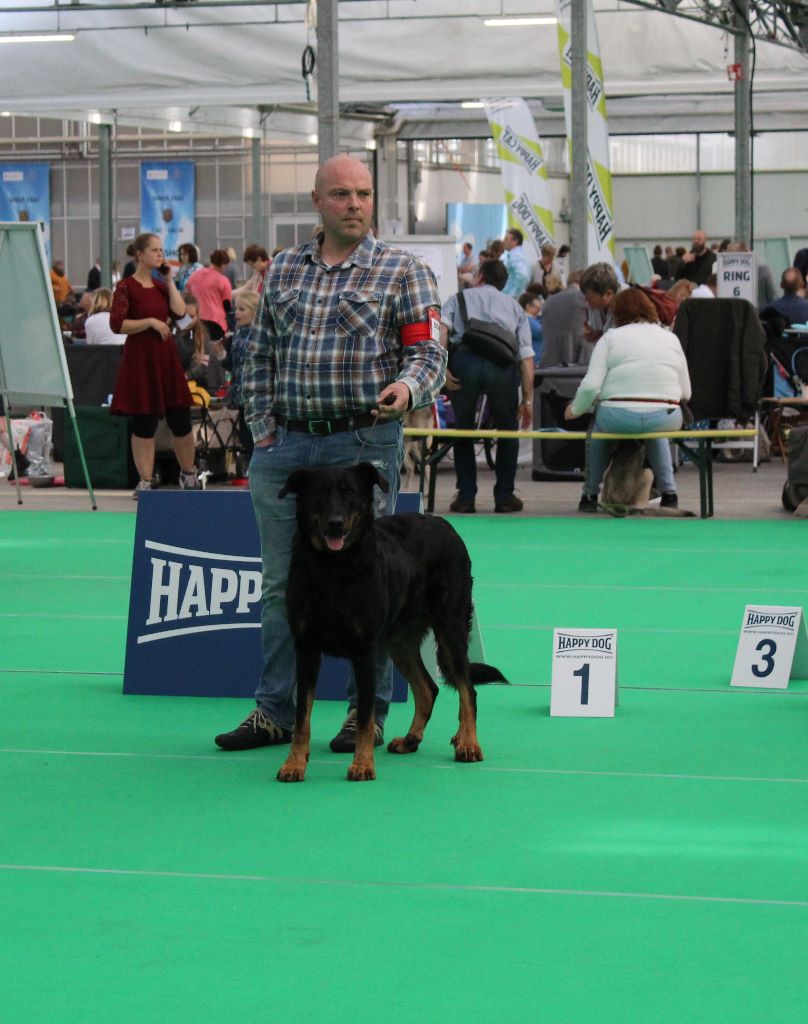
646 868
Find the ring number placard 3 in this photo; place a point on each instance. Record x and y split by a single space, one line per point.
584 681
772 647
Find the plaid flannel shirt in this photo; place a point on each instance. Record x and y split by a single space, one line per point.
326 340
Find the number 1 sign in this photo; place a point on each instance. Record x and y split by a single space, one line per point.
772 647
584 682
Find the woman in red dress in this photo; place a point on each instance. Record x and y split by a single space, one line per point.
151 383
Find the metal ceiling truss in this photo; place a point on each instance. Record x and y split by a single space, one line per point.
774 21
783 22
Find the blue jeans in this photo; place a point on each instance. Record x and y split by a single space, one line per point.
610 419
381 444
500 384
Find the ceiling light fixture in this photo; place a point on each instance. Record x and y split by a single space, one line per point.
518 22
175 126
472 105
51 37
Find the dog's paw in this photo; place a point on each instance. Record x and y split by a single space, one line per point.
293 772
404 744
361 772
466 752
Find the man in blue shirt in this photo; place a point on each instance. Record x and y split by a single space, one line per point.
790 304
515 263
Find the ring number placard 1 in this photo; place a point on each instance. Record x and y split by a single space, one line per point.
584 682
772 647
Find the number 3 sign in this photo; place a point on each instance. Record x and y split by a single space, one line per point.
772 647
584 682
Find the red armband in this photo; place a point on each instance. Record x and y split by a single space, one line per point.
426 330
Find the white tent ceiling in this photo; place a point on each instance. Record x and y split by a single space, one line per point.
237 64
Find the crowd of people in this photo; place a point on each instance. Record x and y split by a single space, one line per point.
199 344
636 373
556 313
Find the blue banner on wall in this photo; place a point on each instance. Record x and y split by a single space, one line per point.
168 202
478 223
195 600
25 196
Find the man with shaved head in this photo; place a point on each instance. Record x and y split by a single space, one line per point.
346 339
697 265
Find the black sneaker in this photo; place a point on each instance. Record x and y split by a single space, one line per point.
345 740
509 504
669 499
255 731
459 506
588 503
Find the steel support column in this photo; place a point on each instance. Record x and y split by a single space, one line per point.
743 128
105 202
258 231
327 79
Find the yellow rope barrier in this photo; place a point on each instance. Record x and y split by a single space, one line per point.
580 435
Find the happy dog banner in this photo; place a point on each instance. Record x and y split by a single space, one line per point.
195 600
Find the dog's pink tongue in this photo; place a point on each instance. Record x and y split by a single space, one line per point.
335 543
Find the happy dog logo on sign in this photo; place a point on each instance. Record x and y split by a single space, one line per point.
199 591
769 619
576 642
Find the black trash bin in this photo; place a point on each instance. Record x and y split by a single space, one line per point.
557 460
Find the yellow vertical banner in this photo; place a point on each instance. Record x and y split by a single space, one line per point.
598 175
524 172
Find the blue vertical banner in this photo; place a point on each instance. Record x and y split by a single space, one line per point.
168 202
477 223
25 196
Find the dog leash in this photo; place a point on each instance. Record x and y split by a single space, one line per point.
588 439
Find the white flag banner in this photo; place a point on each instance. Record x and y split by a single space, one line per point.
598 176
524 172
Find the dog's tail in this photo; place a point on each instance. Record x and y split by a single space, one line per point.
479 673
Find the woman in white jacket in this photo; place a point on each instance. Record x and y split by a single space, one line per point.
96 327
638 375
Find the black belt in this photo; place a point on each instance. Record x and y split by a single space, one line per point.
324 427
659 401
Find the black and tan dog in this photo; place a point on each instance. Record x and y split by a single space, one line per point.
358 584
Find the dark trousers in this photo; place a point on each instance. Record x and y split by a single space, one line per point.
500 385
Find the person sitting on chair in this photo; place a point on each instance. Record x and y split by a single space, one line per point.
790 305
637 378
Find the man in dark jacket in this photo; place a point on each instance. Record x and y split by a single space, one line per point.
697 265
94 276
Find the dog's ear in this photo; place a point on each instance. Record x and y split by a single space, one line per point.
295 483
372 476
